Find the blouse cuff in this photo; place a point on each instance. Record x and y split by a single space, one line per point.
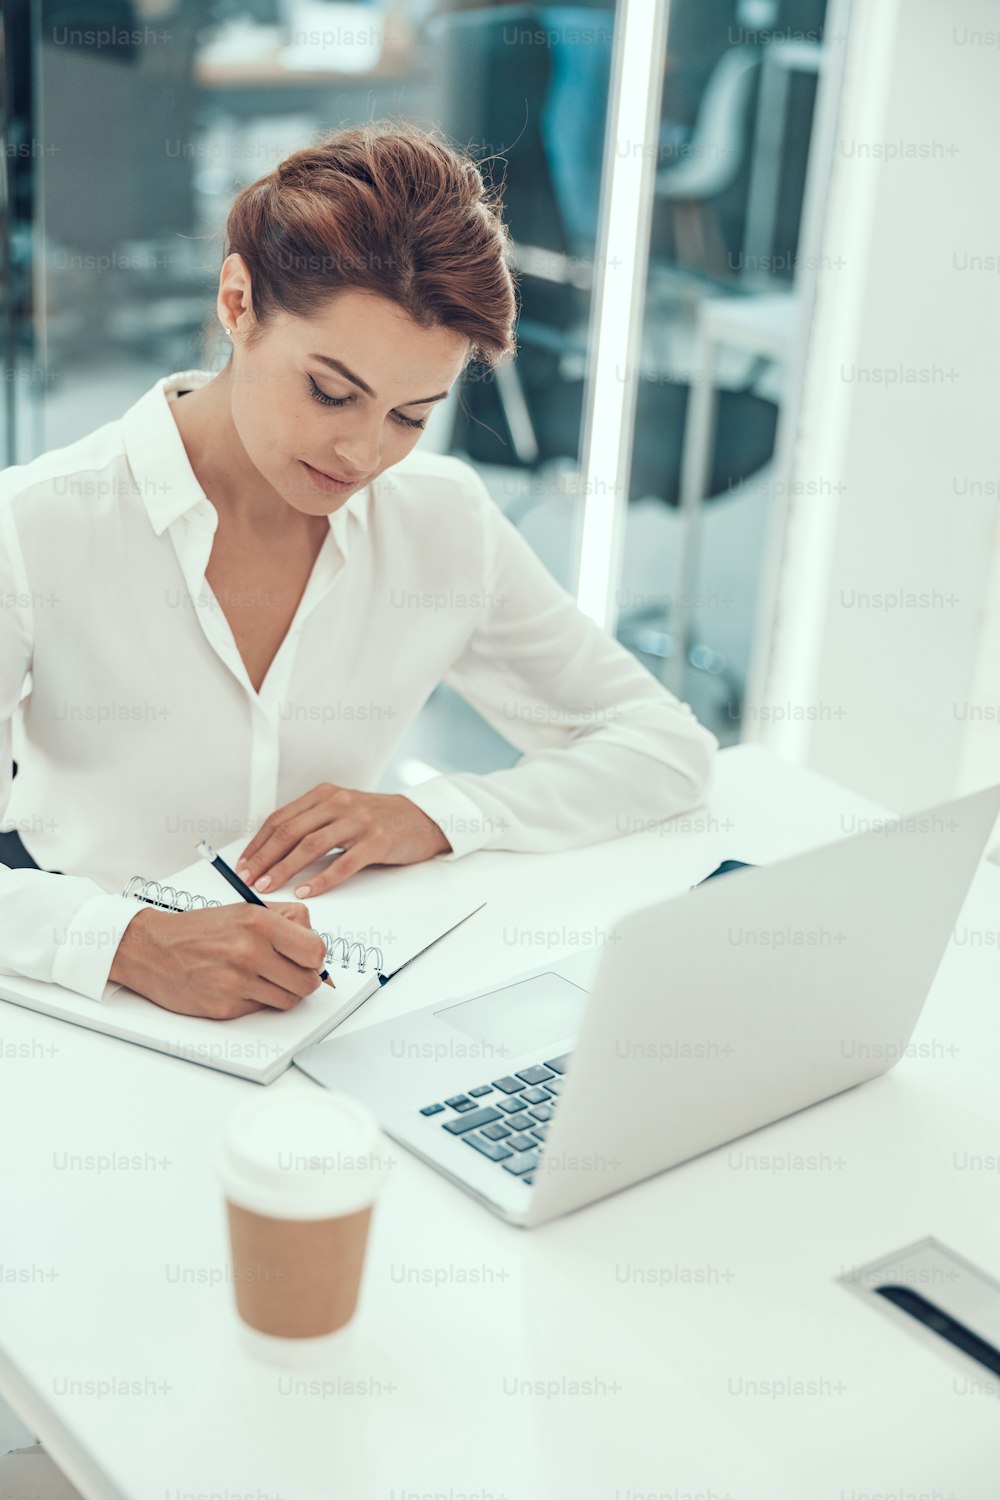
87 945
460 819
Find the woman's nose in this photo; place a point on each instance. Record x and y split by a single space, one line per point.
360 450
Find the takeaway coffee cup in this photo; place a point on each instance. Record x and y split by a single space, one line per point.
300 1171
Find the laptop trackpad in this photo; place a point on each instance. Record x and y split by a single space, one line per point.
529 1013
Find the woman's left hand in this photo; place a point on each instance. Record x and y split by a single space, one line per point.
373 828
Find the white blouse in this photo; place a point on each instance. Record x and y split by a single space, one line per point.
136 730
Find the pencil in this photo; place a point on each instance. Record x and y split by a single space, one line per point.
207 852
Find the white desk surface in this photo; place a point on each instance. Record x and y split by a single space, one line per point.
647 1386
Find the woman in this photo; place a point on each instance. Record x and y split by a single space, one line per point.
234 600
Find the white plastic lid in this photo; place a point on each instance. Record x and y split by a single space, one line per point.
297 1354
303 1155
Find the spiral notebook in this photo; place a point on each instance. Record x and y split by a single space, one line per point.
368 958
262 1045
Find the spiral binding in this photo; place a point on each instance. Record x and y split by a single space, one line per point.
154 894
333 943
169 898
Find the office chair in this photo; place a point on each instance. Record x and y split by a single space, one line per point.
12 851
501 97
710 136
714 158
574 117
513 99
706 191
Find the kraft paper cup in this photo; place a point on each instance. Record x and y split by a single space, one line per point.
300 1172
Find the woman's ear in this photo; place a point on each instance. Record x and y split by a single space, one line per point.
234 300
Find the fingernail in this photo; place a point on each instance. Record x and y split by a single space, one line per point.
262 884
301 890
244 872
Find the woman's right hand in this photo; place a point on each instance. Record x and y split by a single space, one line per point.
221 962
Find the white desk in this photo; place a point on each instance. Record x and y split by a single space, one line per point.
743 1259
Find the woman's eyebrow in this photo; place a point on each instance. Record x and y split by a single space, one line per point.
335 364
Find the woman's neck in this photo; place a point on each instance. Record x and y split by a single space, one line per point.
245 503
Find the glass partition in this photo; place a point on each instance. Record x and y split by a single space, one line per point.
724 319
151 124
136 135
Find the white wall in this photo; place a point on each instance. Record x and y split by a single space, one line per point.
908 472
981 742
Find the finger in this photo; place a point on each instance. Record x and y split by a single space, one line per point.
239 1008
322 841
289 810
306 949
299 804
283 829
285 837
294 845
293 910
272 995
297 979
363 853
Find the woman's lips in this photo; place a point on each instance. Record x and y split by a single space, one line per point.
326 482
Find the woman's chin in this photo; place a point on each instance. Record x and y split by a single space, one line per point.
303 495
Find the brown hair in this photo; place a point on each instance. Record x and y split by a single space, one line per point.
384 207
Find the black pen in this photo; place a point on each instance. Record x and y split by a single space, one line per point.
207 852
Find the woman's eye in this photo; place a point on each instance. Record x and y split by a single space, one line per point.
326 400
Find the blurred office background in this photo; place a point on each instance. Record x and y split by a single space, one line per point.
130 124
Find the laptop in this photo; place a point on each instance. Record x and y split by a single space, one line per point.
703 1018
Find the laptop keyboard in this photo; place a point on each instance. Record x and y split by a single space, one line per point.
506 1120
